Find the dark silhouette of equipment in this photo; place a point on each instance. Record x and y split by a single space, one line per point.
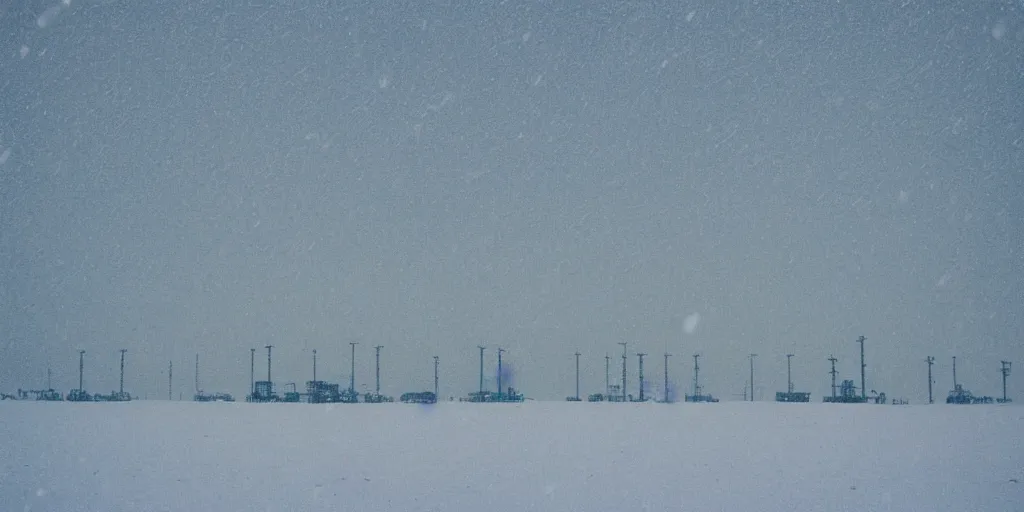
1005 371
202 396
422 397
79 395
698 392
790 395
963 396
833 373
376 397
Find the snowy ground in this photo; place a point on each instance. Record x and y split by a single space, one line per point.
183 456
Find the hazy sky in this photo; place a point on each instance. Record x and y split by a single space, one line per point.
182 177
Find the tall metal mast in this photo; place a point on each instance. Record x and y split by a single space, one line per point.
197 373
833 372
668 399
578 375
752 356
930 360
435 378
641 355
252 371
696 375
481 370
623 370
1005 370
863 384
789 371
314 369
377 348
500 351
352 373
170 378
123 350
954 372
81 369
607 370
268 347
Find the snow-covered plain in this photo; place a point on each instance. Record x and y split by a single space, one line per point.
184 456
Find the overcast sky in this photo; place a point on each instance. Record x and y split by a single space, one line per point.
183 177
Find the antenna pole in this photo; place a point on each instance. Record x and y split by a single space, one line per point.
197 373
578 376
122 371
500 351
752 356
667 398
352 373
954 372
623 370
833 372
930 360
170 378
789 371
377 348
314 370
641 355
49 386
481 370
435 378
863 388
